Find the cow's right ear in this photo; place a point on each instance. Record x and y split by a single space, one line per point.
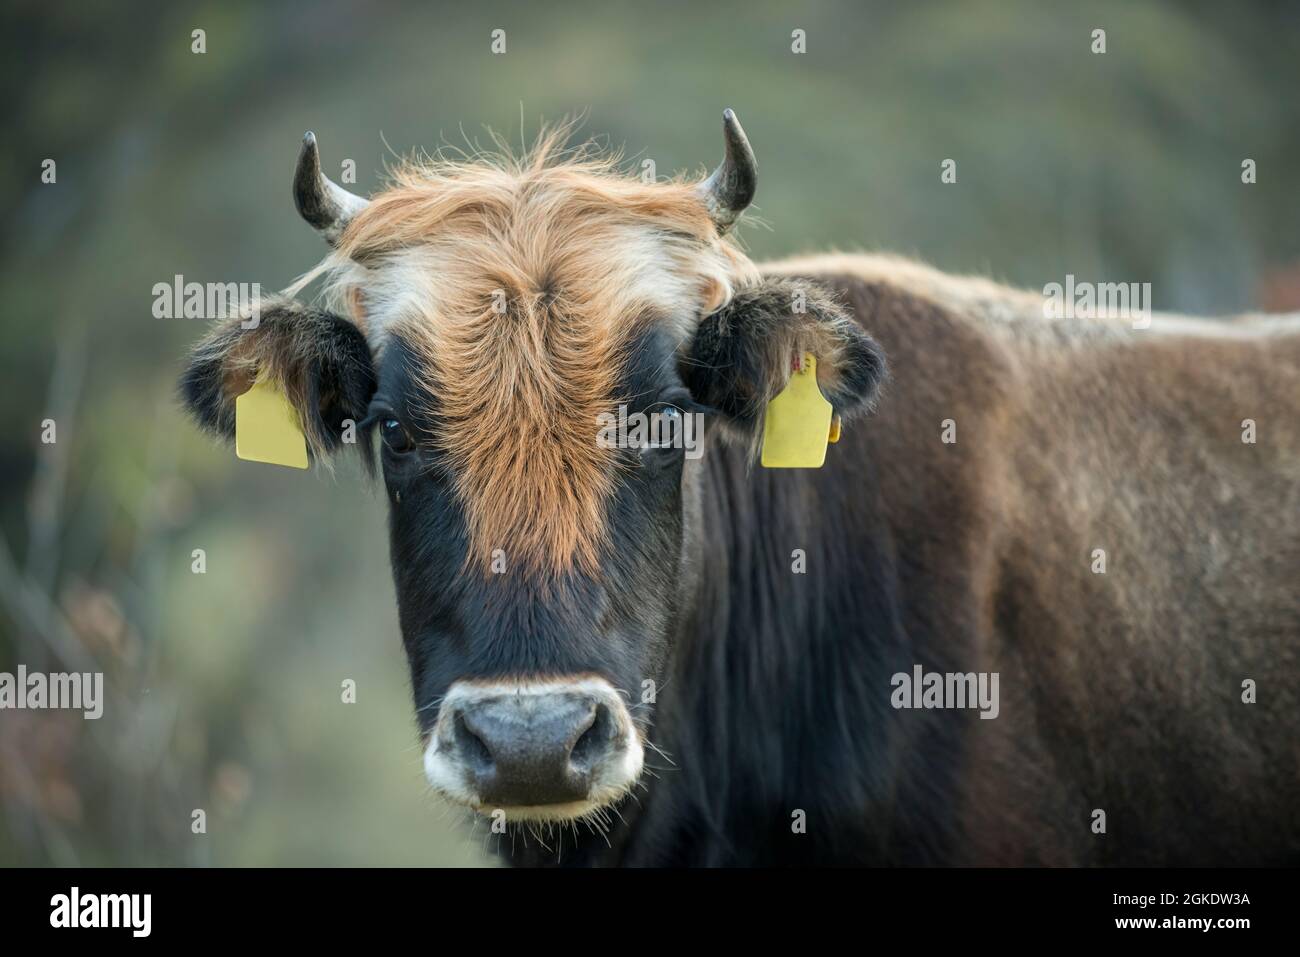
319 360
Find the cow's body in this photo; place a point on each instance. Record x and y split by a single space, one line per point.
1120 691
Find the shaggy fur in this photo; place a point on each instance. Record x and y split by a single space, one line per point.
521 284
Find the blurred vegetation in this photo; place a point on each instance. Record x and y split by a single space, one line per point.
227 685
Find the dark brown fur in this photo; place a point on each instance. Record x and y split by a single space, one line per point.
1121 691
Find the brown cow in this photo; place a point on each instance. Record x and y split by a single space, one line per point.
1041 607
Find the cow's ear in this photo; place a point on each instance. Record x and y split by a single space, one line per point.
742 355
319 360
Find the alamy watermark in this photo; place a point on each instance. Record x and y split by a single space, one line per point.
76 691
74 909
670 428
932 689
1098 300
179 299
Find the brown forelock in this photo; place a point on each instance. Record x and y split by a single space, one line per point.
581 257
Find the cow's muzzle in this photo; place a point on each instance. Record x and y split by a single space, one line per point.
536 750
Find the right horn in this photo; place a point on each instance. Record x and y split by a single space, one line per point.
730 188
326 206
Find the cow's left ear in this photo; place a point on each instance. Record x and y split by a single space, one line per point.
319 360
742 354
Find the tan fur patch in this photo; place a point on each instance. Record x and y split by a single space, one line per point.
520 283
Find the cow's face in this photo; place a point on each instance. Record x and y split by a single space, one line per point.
493 325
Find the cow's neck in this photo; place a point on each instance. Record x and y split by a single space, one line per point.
774 711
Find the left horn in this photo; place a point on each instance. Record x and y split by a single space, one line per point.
730 188
326 206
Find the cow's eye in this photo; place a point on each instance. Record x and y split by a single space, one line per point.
666 436
395 436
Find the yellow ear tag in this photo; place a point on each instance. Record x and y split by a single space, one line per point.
798 422
267 429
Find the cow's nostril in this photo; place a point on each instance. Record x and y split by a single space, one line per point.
593 741
473 749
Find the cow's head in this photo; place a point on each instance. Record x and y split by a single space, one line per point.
483 316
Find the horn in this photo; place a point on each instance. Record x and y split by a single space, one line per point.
730 188
326 206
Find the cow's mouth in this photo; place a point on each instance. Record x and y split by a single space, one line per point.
537 750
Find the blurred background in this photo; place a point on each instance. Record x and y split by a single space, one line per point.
1122 166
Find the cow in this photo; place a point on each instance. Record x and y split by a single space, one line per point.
630 655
